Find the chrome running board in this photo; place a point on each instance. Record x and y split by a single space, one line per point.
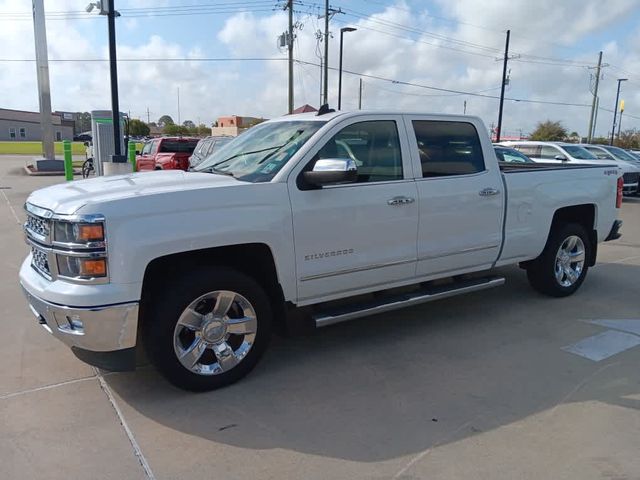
430 294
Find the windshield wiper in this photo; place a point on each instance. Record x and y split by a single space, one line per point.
212 169
241 154
271 154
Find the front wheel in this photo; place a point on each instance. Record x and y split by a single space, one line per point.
207 329
562 266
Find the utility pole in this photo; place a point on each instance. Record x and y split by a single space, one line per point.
464 110
42 69
290 48
504 82
593 103
321 83
360 96
326 53
148 116
595 117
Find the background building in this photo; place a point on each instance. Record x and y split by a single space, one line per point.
20 125
234 125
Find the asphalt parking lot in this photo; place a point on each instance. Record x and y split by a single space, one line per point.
500 384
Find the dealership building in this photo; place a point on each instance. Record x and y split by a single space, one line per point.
20 125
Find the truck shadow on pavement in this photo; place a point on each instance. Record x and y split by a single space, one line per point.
398 384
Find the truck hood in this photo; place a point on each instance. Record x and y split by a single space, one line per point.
67 198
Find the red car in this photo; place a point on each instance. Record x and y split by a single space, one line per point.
166 153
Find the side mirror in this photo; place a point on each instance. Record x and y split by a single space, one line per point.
137 152
332 171
562 158
86 144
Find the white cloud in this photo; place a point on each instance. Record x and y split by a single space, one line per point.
211 89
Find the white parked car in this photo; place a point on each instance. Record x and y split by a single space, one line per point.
368 208
560 152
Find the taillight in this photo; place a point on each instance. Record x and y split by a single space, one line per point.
619 192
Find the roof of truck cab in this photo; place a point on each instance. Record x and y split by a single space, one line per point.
313 116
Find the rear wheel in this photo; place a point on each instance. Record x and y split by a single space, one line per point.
562 266
208 329
87 168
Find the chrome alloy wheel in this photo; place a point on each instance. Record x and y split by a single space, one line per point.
215 332
569 261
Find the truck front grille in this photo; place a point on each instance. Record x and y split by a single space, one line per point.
631 178
40 261
37 225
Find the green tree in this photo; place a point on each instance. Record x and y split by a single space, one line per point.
165 120
203 130
138 128
189 124
629 139
600 140
549 131
173 129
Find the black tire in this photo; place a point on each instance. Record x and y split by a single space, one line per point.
163 310
541 271
87 168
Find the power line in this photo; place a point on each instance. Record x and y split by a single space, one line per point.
181 59
400 82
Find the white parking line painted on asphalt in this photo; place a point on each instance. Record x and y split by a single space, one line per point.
603 345
15 215
631 326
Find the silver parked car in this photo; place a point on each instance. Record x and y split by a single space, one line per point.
617 154
206 147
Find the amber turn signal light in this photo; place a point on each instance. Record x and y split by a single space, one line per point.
90 232
93 267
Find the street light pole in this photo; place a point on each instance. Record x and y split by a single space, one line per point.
615 110
118 157
325 98
342 30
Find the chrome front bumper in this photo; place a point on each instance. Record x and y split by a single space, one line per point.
93 329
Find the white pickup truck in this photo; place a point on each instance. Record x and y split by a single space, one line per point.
303 221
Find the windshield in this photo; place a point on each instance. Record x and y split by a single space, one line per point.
580 153
258 154
620 154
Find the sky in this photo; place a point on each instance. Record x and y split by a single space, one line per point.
427 56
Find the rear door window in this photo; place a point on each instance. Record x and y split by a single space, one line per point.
448 148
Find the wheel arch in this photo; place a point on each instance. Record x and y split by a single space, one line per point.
584 215
254 259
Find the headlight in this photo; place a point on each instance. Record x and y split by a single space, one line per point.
68 232
81 267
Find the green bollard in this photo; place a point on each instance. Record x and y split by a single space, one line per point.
132 154
68 160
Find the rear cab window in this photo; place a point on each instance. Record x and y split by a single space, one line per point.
448 148
178 146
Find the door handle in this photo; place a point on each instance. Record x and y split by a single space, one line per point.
488 192
400 200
